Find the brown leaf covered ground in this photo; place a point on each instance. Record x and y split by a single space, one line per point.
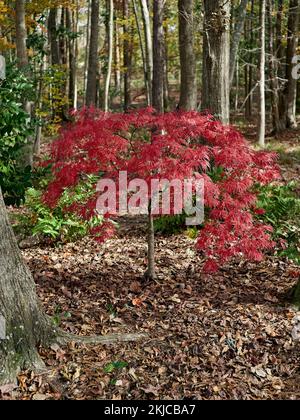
223 336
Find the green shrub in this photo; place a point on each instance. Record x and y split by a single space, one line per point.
15 129
57 224
282 211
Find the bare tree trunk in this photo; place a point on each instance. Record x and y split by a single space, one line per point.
188 84
87 47
216 52
262 98
136 14
236 37
52 30
292 44
22 57
71 26
273 69
151 273
21 34
91 90
149 49
126 57
158 56
26 326
110 54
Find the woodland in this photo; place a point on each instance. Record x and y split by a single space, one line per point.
142 305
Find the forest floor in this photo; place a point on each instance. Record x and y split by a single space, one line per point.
222 336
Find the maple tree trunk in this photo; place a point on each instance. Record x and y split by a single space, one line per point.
216 52
158 56
26 325
188 86
150 273
91 89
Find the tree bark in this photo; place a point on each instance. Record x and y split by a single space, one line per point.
91 89
52 31
262 82
158 56
188 84
151 273
236 37
148 49
72 28
21 34
292 44
23 62
26 325
110 54
126 57
216 52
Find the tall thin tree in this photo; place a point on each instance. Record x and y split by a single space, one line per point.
91 89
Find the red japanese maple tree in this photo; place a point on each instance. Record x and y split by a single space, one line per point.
175 145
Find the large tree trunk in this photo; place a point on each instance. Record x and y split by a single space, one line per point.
24 324
216 52
158 56
236 37
262 94
91 89
188 85
292 44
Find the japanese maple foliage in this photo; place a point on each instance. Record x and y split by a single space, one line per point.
176 145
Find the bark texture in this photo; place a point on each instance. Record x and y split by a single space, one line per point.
26 326
216 52
188 86
91 90
158 56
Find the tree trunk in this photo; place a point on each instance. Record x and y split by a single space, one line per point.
296 295
150 273
24 324
71 26
216 52
91 89
136 14
236 37
273 70
188 85
158 56
262 81
149 49
21 34
126 57
110 54
52 30
22 57
292 44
